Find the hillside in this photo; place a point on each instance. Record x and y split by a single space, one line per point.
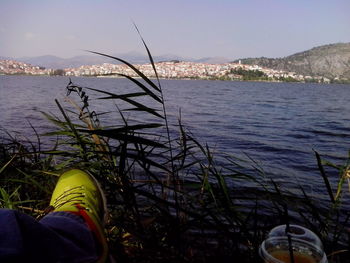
331 61
54 62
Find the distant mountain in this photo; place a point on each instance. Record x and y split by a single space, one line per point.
329 61
212 60
54 62
43 61
169 57
4 58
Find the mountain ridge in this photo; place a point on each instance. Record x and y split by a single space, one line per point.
54 62
331 61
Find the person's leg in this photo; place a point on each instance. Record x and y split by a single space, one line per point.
58 237
73 232
79 193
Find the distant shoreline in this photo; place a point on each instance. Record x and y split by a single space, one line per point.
172 70
163 78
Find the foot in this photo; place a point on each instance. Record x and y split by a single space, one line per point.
79 193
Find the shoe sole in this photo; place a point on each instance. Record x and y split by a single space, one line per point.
103 197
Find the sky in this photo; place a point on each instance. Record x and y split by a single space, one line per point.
188 28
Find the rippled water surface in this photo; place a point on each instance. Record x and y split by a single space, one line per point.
277 124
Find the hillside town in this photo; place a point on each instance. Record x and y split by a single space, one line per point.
169 70
12 67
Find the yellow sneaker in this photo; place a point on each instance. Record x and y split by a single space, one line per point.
79 193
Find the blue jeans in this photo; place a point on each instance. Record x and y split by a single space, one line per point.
58 237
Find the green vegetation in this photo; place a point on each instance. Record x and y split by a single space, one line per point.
168 198
340 81
58 72
249 74
290 79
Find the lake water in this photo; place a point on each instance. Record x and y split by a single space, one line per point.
276 124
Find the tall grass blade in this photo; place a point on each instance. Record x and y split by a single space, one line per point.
325 178
149 55
125 137
71 126
138 72
7 164
129 128
138 105
138 83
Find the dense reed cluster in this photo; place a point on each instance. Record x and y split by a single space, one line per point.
168 198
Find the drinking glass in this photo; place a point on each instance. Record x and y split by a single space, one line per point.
299 242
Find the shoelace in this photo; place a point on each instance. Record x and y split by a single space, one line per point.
73 195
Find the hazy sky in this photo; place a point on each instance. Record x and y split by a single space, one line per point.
189 28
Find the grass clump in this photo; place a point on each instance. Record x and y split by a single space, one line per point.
168 199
